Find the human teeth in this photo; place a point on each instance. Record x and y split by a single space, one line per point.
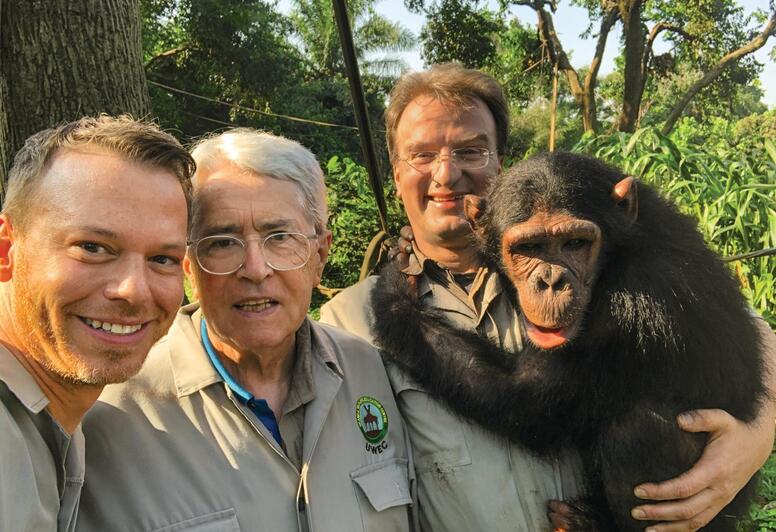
255 306
441 200
113 328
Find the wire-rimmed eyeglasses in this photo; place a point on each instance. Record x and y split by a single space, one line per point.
464 158
225 254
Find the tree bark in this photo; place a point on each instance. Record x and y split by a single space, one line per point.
752 46
61 60
633 30
583 92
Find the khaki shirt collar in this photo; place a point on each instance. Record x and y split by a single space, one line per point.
487 284
21 383
191 367
302 388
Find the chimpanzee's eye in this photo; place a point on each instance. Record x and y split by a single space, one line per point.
527 248
575 243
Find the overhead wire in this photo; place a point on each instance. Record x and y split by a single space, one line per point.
250 109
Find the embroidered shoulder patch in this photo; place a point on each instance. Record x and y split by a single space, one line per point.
371 419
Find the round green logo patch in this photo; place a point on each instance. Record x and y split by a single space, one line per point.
371 419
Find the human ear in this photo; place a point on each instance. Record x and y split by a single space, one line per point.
6 249
324 244
396 180
189 271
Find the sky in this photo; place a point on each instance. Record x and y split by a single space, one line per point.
570 22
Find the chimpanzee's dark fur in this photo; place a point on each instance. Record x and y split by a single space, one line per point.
666 331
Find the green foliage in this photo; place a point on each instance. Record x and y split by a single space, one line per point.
375 38
460 30
713 28
353 219
220 49
731 192
518 66
530 130
241 52
762 517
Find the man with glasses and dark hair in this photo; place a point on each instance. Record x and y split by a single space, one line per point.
447 133
249 416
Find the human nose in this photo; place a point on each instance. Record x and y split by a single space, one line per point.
131 284
446 172
255 266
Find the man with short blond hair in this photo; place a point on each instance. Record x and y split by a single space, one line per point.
92 236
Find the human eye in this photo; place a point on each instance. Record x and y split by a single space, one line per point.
165 260
92 248
278 238
469 153
423 157
219 243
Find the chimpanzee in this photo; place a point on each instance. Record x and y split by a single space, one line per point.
630 320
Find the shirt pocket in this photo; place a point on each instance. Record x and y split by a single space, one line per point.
221 521
383 492
439 441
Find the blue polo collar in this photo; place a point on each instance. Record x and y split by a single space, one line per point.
258 406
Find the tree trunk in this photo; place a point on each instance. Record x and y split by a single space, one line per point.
560 60
752 46
61 60
634 75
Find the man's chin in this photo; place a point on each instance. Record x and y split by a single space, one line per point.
454 230
111 368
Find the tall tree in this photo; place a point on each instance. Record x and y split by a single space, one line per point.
460 30
712 35
61 60
375 38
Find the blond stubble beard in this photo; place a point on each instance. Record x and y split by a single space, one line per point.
49 345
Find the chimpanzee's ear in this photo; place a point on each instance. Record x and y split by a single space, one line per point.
625 193
473 207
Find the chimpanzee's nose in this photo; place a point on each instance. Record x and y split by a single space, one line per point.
551 278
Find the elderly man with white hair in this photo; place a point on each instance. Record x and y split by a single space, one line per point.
248 415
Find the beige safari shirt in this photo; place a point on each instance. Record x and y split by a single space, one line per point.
173 449
41 466
468 478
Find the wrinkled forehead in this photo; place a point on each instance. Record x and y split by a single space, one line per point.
240 202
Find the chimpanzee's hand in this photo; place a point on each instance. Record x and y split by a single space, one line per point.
401 253
733 454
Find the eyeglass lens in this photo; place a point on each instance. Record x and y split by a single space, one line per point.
225 254
463 158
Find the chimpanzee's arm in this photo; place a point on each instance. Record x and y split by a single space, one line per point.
735 451
473 376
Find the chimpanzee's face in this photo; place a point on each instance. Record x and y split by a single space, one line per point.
548 237
551 259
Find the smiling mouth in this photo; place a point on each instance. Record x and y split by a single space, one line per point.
113 328
256 305
443 199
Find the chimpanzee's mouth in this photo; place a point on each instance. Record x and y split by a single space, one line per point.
548 337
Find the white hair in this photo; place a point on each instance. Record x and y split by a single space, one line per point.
267 155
